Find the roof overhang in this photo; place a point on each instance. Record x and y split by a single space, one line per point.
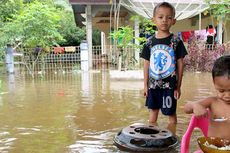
90 2
184 8
101 11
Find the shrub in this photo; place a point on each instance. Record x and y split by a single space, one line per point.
200 58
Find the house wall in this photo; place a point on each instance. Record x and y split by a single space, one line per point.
181 25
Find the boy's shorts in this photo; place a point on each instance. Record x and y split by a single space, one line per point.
162 99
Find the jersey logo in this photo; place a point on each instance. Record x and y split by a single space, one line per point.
162 62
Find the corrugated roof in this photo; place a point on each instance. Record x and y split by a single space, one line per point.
184 8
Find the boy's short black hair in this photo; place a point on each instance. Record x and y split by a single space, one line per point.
221 67
164 4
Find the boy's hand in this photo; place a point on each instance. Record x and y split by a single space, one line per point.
177 93
200 111
145 91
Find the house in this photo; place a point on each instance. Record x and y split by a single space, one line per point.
107 15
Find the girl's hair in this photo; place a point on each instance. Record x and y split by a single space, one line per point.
221 67
164 4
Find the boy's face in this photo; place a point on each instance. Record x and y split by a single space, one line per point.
164 19
222 86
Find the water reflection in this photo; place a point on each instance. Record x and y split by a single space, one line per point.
82 112
85 84
11 82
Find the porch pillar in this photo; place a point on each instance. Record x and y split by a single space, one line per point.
136 33
89 32
9 59
200 21
220 31
103 48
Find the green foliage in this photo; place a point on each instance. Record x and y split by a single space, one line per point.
44 23
124 36
36 24
72 35
9 8
147 27
220 10
63 4
0 84
96 37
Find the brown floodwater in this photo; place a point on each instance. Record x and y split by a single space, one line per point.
81 112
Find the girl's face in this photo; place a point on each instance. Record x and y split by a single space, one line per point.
163 18
222 86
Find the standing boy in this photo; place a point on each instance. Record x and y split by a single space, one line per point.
163 65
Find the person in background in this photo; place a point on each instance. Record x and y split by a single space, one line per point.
37 49
211 34
163 65
218 105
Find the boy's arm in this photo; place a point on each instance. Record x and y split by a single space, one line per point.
180 69
146 76
199 108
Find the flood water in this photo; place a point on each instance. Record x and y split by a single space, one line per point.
82 112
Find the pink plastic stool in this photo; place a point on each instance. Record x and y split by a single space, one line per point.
201 123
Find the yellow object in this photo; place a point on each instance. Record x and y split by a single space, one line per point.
70 49
214 145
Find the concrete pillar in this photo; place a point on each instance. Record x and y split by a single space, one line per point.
103 48
84 56
220 31
136 33
200 21
89 33
9 59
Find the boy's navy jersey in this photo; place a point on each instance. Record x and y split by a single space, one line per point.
163 54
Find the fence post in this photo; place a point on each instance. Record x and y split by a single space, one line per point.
84 56
9 58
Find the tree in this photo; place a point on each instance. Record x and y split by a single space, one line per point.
36 24
123 38
9 8
147 27
71 33
28 23
219 9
